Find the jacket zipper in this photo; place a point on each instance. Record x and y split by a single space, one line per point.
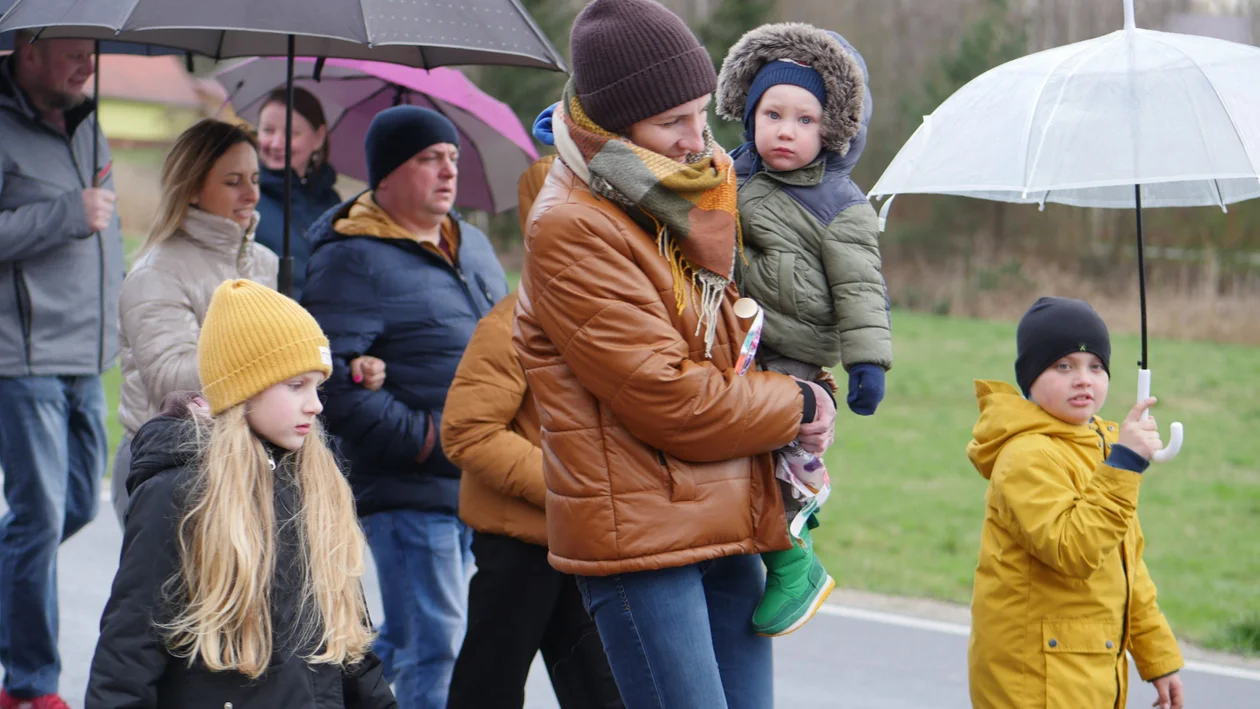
459 273
100 250
25 316
1124 565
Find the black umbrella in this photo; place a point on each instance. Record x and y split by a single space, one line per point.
425 34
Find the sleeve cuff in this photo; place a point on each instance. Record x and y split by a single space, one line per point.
1125 458
809 408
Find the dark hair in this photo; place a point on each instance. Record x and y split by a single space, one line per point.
307 106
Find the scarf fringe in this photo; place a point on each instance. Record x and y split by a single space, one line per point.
709 287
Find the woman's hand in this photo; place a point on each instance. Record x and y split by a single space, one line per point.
819 434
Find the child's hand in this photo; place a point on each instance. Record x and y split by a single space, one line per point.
368 371
866 388
1138 434
1170 692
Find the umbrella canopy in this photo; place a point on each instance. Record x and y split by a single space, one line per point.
1082 124
110 47
494 147
416 34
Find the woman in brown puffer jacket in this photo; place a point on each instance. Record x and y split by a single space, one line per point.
656 453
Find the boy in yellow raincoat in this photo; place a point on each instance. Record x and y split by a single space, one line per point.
1061 590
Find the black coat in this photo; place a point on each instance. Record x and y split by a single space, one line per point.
133 669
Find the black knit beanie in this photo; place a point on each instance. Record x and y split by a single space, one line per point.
1054 328
397 134
633 59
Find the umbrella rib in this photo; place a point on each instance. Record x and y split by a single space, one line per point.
1031 114
538 33
385 86
1224 107
1041 144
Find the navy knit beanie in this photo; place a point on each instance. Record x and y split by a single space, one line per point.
781 71
397 134
1054 328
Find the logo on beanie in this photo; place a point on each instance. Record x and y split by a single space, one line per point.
325 356
1083 348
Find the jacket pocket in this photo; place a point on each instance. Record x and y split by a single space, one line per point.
787 284
25 315
682 487
1081 658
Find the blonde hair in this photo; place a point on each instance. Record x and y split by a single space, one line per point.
227 544
185 169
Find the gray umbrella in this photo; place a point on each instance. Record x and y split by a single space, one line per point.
420 33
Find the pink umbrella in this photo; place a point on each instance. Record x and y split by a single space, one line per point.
494 147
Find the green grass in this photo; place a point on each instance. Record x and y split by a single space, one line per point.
905 513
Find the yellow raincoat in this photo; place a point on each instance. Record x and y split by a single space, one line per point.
1061 589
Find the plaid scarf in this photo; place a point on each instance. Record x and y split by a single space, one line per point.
689 207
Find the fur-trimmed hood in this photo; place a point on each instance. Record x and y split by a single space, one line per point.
848 108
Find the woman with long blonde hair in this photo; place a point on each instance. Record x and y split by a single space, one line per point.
239 583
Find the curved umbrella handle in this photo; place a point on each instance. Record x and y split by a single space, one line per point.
1177 431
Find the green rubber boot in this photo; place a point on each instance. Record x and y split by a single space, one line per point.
796 586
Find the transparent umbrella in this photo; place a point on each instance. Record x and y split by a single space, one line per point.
1132 119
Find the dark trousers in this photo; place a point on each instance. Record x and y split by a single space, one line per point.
517 606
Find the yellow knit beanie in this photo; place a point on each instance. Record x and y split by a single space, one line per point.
254 338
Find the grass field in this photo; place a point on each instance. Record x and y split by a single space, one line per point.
906 511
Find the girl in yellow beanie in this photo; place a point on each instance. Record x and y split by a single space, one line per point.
239 583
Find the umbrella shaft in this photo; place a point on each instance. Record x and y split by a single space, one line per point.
285 279
1137 193
96 114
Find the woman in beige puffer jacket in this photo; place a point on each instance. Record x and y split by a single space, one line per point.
203 235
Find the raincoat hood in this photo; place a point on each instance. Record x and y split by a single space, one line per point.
848 110
1005 414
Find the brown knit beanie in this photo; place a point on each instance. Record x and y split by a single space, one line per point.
633 59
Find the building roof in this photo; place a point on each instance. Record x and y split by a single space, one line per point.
160 79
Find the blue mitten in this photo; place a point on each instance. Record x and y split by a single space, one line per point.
542 126
866 388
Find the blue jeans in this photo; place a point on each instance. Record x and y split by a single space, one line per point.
424 561
52 450
682 638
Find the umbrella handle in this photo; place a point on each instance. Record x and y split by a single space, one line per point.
1177 431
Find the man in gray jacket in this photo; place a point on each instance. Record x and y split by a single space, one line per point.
61 268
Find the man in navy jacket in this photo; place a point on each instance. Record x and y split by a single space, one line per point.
394 273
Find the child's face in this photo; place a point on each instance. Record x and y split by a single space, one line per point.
1073 389
285 412
788 127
